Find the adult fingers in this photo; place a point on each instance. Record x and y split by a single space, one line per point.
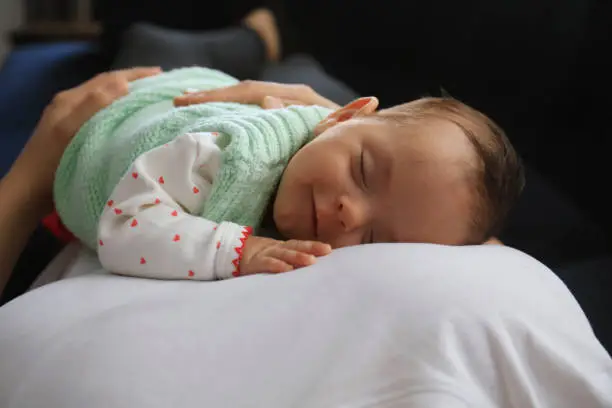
255 92
271 102
243 92
73 118
133 74
122 76
74 107
114 83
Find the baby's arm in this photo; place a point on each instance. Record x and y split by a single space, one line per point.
147 229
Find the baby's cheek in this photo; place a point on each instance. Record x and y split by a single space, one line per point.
288 211
330 170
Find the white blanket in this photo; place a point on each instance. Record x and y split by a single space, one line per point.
387 325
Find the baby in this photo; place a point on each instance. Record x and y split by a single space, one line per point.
181 193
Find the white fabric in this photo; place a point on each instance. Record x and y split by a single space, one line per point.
147 228
385 325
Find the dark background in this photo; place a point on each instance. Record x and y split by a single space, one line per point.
539 68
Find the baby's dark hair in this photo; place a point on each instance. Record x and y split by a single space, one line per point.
499 176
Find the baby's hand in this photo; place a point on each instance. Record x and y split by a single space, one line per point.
265 255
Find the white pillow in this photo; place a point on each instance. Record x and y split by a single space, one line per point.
387 325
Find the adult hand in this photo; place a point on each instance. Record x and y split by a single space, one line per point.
61 120
268 95
26 191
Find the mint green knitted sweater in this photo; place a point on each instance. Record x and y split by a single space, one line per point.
256 146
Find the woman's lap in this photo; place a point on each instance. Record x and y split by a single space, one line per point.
237 51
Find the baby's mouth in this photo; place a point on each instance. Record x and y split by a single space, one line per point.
315 224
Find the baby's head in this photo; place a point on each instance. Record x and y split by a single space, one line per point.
432 170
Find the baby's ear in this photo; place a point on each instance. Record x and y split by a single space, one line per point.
359 107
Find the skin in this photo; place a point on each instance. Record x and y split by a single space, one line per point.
437 213
366 180
26 190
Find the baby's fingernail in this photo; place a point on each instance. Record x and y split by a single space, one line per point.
190 91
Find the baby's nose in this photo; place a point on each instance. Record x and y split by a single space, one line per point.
352 214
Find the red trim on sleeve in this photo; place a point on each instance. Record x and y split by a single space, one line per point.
246 232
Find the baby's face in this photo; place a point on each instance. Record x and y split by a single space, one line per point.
364 181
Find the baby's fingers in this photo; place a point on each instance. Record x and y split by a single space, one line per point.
291 256
265 264
274 265
309 247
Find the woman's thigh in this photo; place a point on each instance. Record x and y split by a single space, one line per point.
235 50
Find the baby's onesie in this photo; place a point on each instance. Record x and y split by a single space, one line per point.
149 226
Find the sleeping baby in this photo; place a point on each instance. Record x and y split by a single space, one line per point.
219 190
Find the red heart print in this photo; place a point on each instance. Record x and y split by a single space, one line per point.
110 203
157 201
101 243
196 190
143 261
176 238
174 213
191 273
134 223
135 175
118 211
218 244
215 228
161 180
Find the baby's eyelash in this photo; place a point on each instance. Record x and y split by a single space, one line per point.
362 168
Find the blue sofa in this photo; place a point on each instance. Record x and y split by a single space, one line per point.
29 78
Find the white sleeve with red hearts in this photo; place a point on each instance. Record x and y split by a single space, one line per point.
147 228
